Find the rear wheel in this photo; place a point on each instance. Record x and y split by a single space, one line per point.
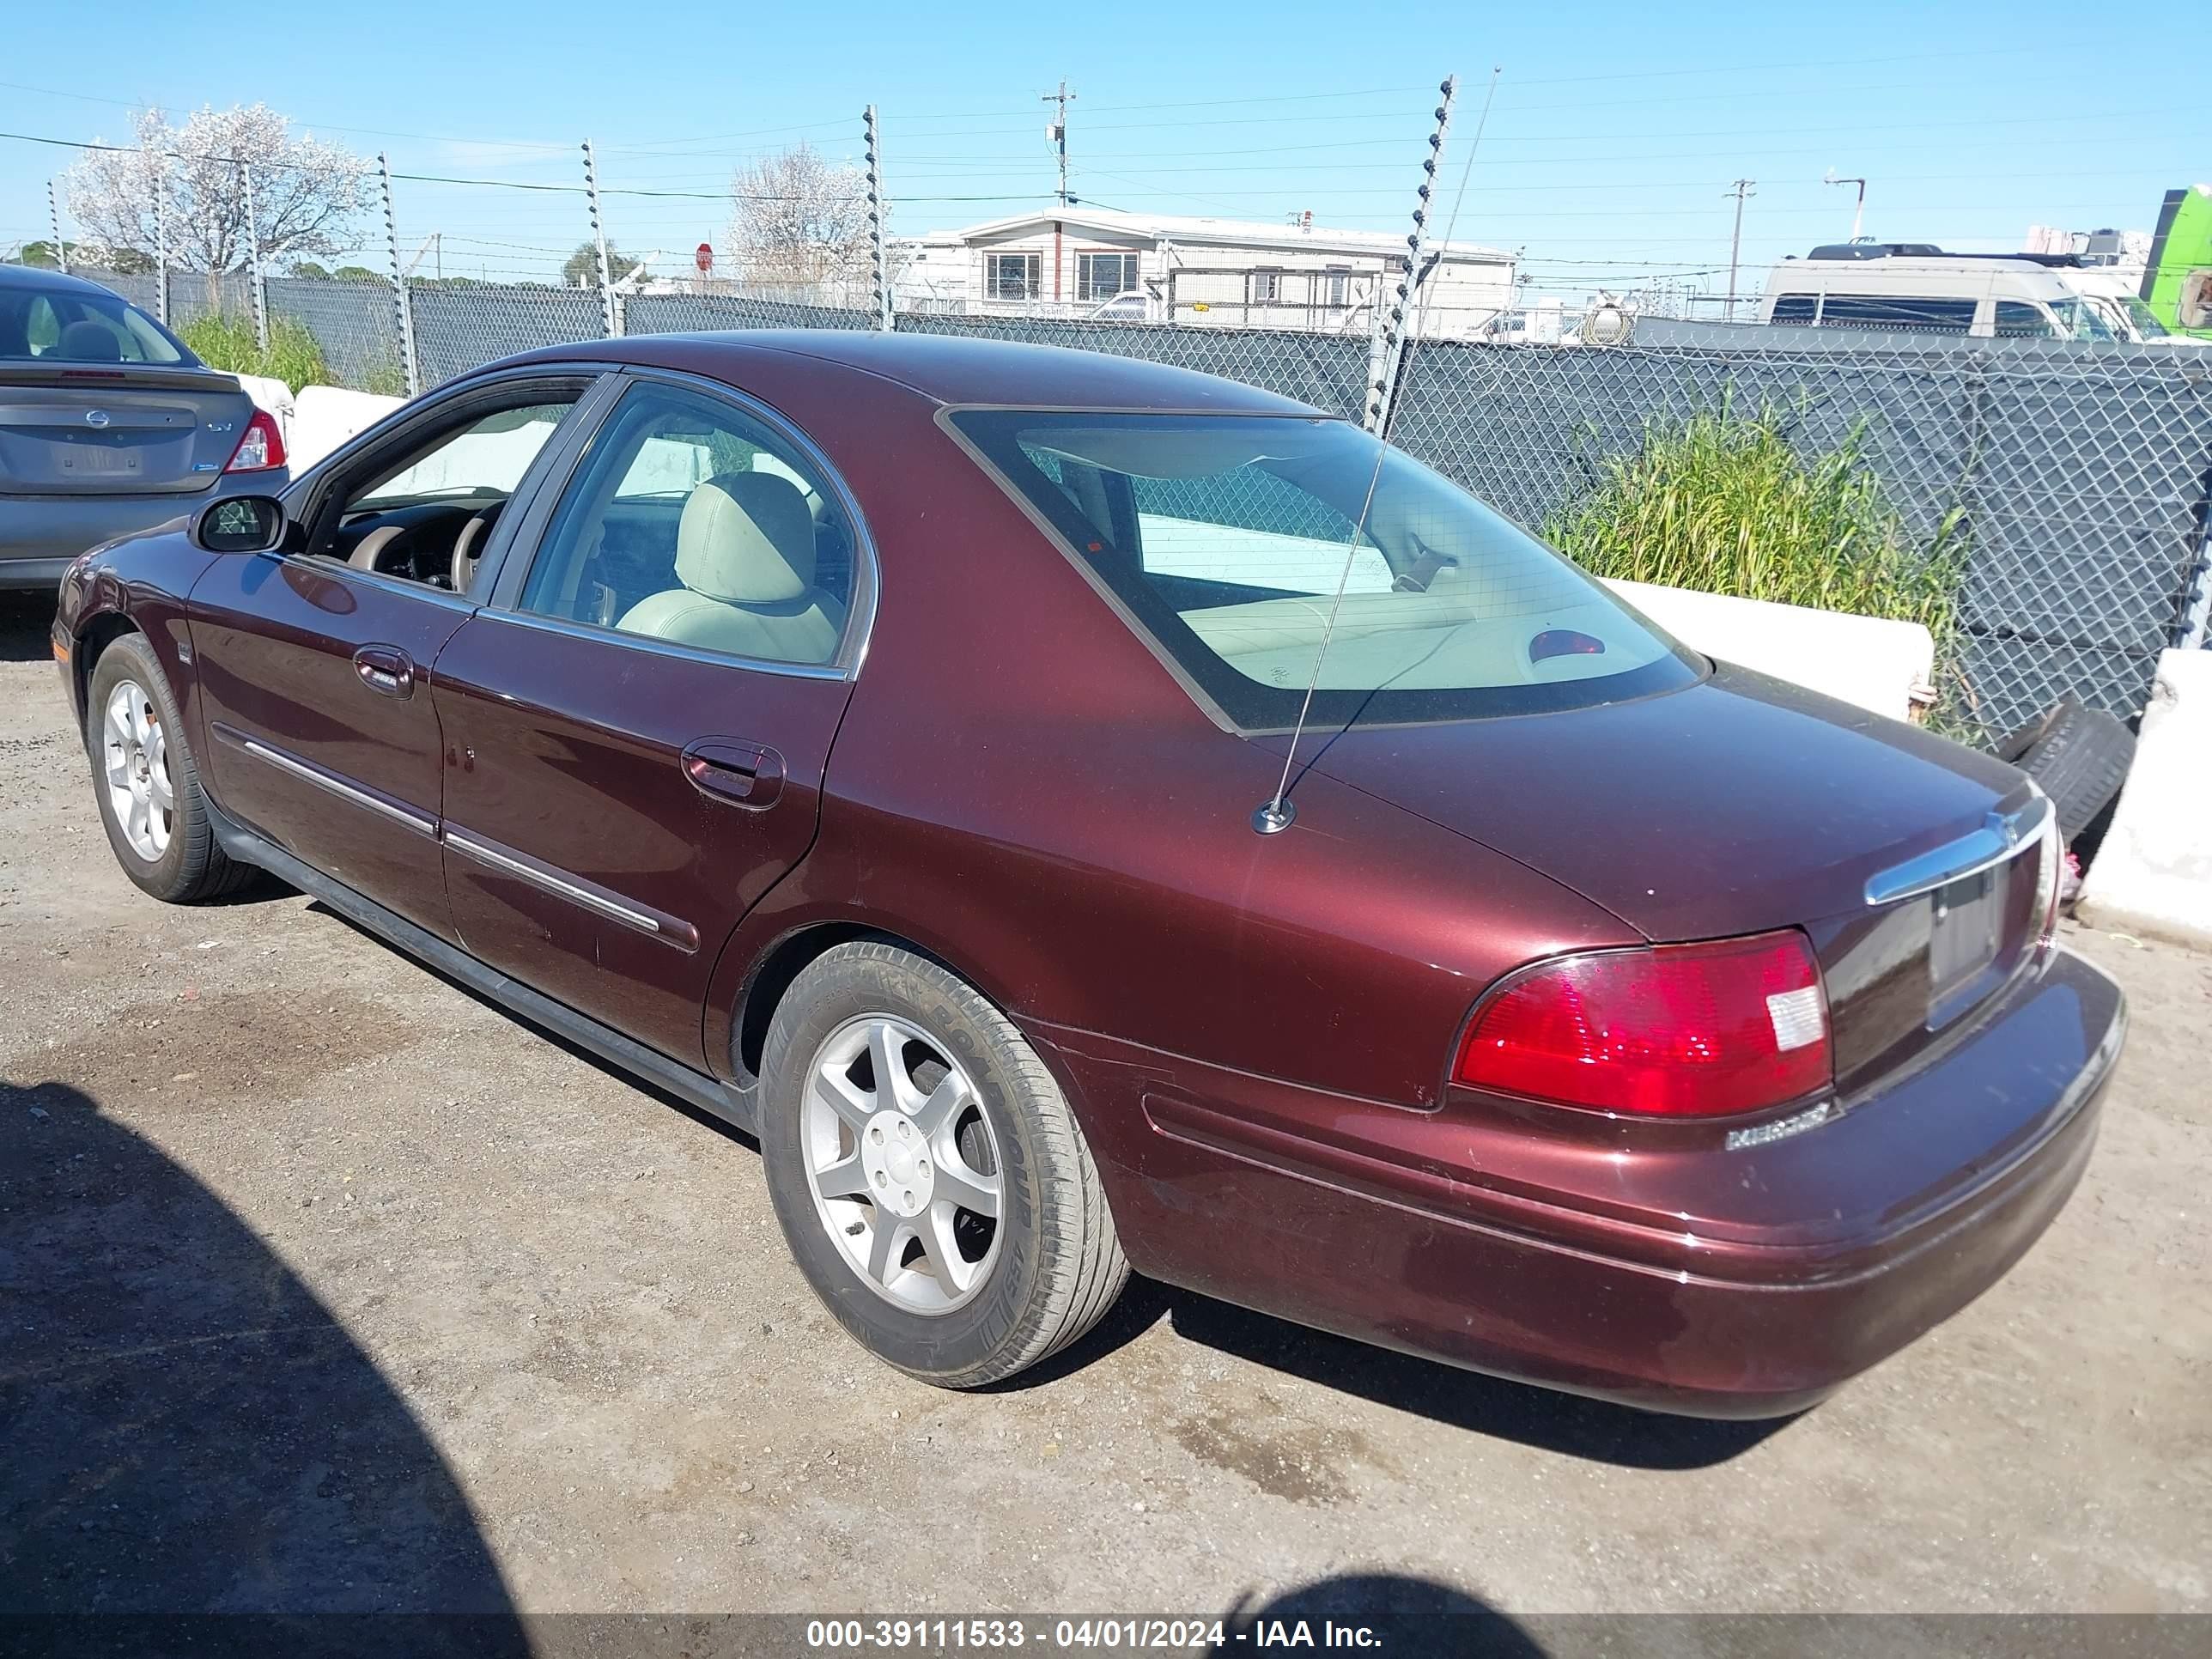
147 785
927 1173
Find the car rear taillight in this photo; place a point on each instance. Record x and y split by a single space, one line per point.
1667 1030
259 447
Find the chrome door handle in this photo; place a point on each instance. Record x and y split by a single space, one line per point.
386 670
743 774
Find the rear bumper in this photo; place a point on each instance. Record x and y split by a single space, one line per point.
40 534
1408 1231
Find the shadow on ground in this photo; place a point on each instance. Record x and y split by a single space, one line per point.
1543 1418
27 622
188 1430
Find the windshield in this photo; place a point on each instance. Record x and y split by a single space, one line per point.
1225 540
2147 324
60 324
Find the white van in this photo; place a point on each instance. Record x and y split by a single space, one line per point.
1917 287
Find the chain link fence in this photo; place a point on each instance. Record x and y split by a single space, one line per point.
2073 477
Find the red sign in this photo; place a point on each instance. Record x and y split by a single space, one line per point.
704 258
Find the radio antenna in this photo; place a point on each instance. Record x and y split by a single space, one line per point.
1277 814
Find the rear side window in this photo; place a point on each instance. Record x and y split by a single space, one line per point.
1928 315
692 522
1226 541
2018 320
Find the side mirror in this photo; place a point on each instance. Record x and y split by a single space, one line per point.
240 524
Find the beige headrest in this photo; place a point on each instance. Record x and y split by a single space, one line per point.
746 538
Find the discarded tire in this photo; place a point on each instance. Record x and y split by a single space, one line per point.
2081 759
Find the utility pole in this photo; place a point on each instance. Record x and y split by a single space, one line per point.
54 219
1062 98
1739 190
1858 213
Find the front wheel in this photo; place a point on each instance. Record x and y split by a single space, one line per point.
929 1177
146 784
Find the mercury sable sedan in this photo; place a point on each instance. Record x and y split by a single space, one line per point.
1085 817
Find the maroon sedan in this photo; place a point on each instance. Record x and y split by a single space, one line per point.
1085 816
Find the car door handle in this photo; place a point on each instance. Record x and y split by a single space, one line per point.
743 774
386 670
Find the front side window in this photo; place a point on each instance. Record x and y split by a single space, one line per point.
67 327
2079 320
1337 285
426 513
1011 275
1266 287
1103 276
1226 539
694 523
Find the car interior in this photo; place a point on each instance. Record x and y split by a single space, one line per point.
1428 600
428 518
684 525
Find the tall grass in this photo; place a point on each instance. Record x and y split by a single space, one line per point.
1722 503
227 343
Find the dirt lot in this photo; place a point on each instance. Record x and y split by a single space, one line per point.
324 1286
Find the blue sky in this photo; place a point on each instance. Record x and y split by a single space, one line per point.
1614 133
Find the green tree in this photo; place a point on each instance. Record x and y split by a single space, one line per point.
582 268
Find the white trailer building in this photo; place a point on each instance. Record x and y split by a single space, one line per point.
1084 262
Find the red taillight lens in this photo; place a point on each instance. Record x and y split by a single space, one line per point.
1673 1030
260 447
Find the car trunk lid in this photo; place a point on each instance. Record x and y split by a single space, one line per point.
1738 805
107 430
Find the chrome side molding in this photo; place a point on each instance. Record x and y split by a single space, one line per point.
360 795
2000 836
667 929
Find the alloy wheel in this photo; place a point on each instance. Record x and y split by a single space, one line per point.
903 1163
134 758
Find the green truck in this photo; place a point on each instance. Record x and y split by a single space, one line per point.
2178 284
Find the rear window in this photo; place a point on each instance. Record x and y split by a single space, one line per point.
64 325
1225 540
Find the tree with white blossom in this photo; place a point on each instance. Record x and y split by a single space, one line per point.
799 221
306 194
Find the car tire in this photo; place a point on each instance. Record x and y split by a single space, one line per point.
1048 1265
2080 760
139 753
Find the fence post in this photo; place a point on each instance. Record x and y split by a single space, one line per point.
876 214
1386 345
54 219
257 294
161 175
403 309
609 322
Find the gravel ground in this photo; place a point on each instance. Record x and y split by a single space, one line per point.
323 1285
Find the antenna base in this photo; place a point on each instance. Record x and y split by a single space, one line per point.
1273 816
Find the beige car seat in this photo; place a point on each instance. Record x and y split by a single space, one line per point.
745 555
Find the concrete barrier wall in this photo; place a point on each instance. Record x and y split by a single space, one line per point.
324 417
1864 661
2153 873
